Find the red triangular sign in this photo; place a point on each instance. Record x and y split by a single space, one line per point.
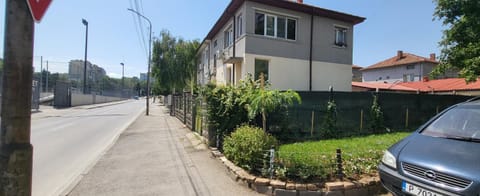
38 8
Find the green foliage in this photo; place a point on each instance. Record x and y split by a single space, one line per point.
329 126
231 106
246 145
376 123
316 160
225 108
173 61
461 41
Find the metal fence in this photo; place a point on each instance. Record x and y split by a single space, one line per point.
305 121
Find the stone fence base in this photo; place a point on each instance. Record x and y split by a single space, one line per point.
364 187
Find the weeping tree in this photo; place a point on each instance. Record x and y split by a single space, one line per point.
174 63
263 101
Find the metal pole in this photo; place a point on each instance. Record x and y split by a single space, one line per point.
46 82
16 151
41 74
123 76
85 22
149 58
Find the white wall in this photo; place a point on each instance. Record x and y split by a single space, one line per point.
81 99
288 73
339 76
283 73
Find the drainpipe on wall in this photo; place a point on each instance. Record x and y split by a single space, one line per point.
234 43
311 53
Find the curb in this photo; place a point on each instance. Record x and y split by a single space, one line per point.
364 187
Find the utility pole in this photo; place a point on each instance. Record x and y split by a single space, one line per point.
41 74
85 22
16 151
46 82
149 57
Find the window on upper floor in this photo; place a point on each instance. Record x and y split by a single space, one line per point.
275 26
341 36
239 25
228 36
215 43
410 66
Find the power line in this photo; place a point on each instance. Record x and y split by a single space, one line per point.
137 26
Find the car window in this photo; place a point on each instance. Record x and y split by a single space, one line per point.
457 122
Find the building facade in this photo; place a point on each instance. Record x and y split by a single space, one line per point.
76 70
296 46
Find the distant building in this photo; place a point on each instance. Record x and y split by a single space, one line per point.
94 72
404 67
356 73
143 76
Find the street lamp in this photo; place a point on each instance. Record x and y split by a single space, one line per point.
123 77
149 56
85 22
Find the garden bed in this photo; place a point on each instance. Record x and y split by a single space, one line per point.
317 161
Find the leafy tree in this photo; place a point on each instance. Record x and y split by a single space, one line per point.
174 62
263 101
461 41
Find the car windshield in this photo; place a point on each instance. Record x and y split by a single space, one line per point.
461 122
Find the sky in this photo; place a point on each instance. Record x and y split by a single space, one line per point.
115 37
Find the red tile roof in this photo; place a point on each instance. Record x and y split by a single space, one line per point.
401 58
382 86
443 85
356 67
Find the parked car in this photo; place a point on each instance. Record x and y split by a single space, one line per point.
441 158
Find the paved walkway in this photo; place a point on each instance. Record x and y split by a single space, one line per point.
155 156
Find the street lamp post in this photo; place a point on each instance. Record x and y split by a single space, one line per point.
149 56
123 76
85 22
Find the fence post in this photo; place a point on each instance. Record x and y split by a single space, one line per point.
313 122
272 161
361 119
339 164
406 119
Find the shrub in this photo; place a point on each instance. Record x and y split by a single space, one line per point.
246 145
377 116
329 126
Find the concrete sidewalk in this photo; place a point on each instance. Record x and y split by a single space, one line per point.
155 156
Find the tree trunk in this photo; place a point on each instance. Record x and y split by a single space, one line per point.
264 121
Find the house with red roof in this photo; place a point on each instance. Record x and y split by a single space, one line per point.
404 67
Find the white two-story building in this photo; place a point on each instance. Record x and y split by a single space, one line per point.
296 46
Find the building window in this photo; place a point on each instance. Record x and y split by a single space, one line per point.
341 36
408 77
275 26
261 66
215 43
239 25
410 66
228 36
260 24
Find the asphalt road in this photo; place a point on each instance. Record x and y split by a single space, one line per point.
68 142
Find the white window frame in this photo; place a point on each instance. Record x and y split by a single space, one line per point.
344 30
228 37
275 23
239 25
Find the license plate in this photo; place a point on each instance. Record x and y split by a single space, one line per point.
415 190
